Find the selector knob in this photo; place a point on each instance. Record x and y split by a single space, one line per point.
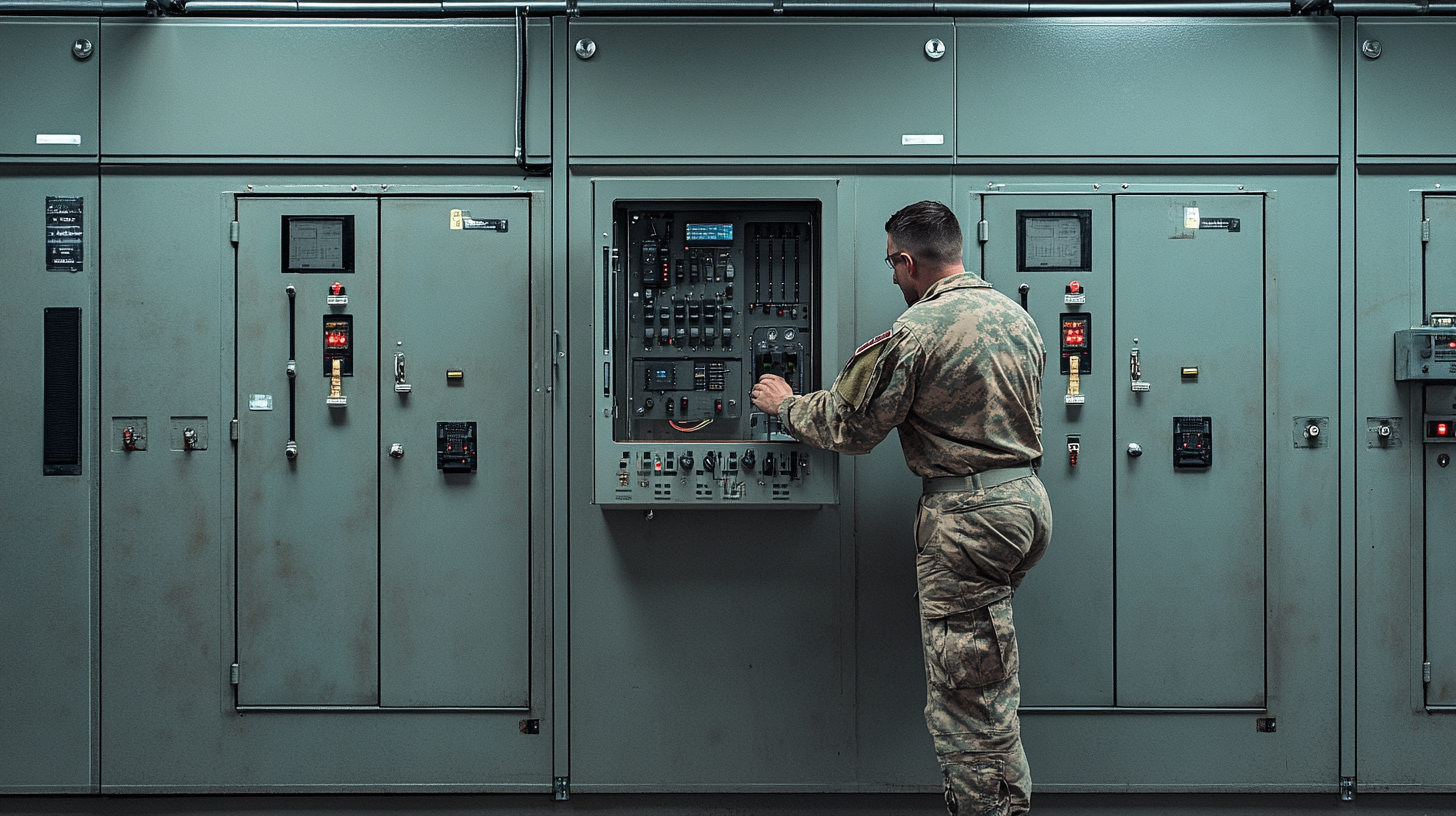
1134 450
710 462
768 464
748 458
685 462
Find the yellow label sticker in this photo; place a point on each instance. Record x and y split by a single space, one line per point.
457 219
1190 218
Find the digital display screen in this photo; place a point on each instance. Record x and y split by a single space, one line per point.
314 243
710 233
1054 240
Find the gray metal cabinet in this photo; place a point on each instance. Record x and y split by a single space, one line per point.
1216 87
50 96
1153 593
48 477
351 89
762 88
375 568
1397 87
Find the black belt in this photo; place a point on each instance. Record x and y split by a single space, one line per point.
977 482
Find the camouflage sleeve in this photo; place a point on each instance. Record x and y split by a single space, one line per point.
870 397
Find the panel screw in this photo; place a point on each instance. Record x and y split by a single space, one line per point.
1371 49
81 49
935 49
585 48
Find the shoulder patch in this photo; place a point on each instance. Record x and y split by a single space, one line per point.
869 344
853 385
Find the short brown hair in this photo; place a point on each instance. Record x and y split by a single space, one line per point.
929 231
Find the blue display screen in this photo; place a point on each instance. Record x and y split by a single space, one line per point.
710 233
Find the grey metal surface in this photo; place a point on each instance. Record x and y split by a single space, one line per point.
308 528
1395 116
1191 543
1102 749
761 88
48 93
894 747
455 549
170 723
1398 740
47 547
1438 269
1064 610
1164 88
319 88
710 650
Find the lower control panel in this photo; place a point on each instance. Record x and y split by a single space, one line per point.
719 473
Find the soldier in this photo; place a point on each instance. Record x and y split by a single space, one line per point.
959 375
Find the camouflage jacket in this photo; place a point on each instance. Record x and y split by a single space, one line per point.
959 374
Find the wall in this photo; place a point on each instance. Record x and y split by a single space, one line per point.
731 651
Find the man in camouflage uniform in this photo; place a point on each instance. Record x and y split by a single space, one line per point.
960 376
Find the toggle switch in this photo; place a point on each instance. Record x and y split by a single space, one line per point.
400 386
130 440
1074 447
1135 368
189 439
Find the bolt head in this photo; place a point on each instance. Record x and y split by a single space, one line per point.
934 49
1371 49
82 49
585 48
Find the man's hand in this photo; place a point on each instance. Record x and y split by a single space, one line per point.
769 392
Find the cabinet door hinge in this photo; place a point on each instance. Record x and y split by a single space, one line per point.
562 786
233 429
1347 789
1425 230
1426 672
983 231
233 232
235 674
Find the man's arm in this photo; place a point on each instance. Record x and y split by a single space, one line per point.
870 397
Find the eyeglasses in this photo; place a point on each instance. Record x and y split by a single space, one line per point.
890 259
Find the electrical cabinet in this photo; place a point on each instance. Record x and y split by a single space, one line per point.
698 298
49 330
1434 408
1153 595
382 345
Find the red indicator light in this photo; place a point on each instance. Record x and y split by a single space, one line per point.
336 289
1075 287
1442 429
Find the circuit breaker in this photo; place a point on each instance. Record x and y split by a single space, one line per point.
700 299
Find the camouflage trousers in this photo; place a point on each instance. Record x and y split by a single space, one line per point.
973 547
975 728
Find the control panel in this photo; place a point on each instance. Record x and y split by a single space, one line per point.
700 300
